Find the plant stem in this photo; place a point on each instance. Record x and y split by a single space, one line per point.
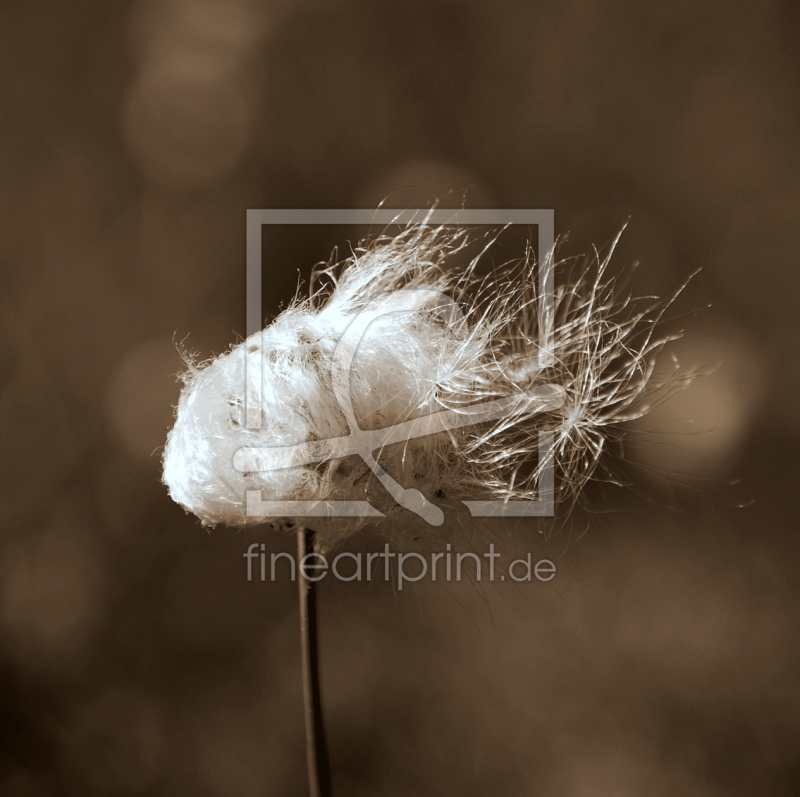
319 770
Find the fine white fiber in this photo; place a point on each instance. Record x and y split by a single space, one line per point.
410 363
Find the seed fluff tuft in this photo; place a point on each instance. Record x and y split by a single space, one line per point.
410 363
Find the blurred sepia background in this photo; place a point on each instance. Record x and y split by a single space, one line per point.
135 658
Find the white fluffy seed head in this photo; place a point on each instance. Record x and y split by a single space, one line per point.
409 364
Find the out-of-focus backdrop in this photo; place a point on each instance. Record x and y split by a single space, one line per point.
135 658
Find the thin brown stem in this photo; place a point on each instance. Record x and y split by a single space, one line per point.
319 771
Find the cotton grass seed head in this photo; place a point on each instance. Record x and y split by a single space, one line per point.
413 360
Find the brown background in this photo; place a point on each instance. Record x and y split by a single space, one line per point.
136 659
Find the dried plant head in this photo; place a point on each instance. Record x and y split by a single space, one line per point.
410 363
